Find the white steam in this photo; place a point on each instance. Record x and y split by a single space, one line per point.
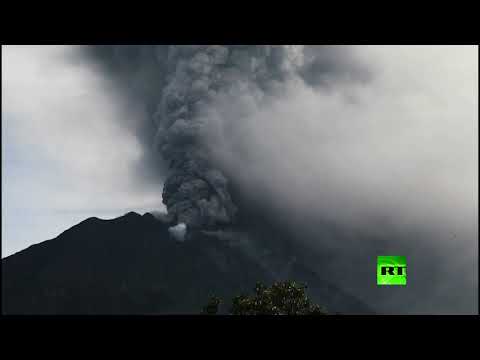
178 231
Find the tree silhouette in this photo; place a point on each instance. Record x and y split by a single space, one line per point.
282 298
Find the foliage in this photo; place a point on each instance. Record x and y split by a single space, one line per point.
212 307
282 298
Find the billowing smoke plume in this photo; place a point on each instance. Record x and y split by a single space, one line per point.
178 85
352 152
196 191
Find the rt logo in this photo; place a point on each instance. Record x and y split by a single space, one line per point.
391 270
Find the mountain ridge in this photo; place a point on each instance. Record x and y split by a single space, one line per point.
132 265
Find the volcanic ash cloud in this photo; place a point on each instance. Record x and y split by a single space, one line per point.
196 192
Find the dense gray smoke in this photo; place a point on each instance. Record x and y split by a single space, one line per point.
353 152
196 191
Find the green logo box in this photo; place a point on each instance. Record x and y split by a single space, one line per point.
391 270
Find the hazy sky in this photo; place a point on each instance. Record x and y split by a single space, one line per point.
65 155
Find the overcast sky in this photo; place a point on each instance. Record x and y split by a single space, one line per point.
65 156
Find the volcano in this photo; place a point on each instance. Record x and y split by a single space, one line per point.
133 265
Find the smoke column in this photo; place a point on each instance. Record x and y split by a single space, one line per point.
196 192
354 152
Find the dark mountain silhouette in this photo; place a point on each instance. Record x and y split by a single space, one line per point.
132 265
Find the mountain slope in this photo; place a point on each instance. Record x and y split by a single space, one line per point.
131 265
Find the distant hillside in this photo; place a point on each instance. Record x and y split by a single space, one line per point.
132 265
